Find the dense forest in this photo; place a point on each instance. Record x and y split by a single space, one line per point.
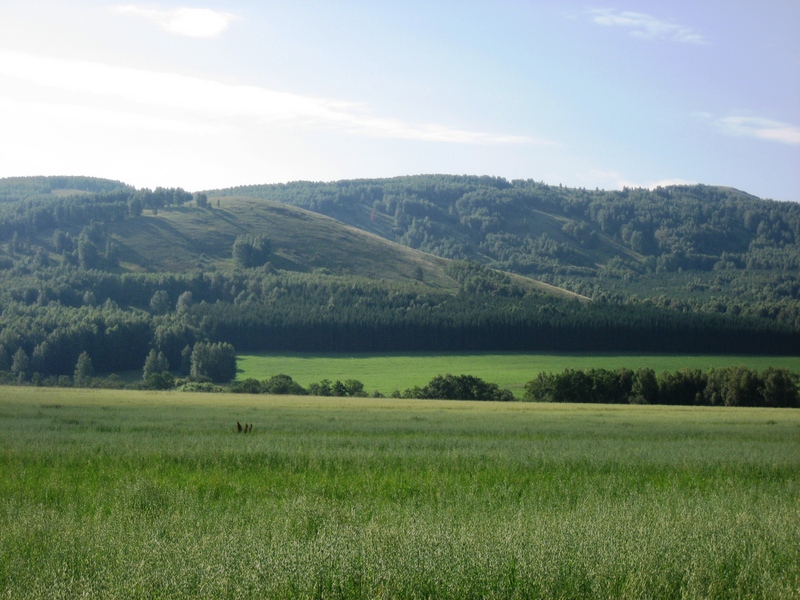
691 247
684 269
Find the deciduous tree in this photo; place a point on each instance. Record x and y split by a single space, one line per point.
216 362
155 362
84 371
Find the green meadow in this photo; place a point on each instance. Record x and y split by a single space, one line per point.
122 494
389 372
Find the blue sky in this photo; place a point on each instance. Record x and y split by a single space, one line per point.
214 94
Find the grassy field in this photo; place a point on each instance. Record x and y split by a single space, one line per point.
389 372
112 494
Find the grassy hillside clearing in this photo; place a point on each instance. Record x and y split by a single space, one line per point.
142 495
184 238
387 373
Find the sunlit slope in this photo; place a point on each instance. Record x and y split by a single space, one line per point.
180 239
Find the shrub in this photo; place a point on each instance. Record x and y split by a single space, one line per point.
160 381
459 387
323 388
200 386
350 387
282 384
246 386
251 250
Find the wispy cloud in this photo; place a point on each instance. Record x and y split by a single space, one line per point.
647 27
210 103
191 22
760 128
614 180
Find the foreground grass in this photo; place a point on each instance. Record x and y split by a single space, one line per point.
389 372
124 494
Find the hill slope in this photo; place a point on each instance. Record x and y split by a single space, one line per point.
537 228
172 234
700 247
181 238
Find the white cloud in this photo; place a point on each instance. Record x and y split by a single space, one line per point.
103 118
191 22
210 103
614 180
647 27
667 182
760 128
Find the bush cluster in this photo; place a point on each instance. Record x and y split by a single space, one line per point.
457 387
277 384
441 387
284 384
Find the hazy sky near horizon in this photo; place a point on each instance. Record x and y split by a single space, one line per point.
212 94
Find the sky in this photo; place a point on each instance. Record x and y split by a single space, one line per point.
209 94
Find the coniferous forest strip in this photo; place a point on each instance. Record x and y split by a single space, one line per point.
84 311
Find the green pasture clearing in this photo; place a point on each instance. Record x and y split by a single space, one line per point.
389 372
121 494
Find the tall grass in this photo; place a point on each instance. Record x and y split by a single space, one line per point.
122 494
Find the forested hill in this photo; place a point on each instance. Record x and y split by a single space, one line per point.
692 247
98 267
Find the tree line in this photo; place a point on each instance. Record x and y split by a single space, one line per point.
201 363
441 387
214 364
729 386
